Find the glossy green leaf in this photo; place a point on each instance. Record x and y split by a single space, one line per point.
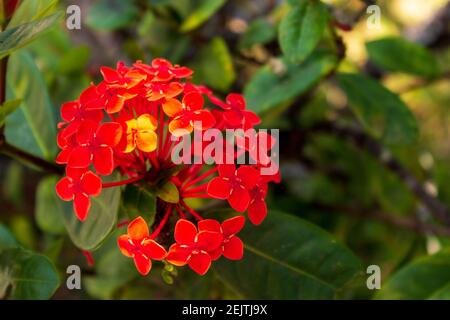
168 192
137 200
7 240
214 65
260 31
202 11
111 14
32 126
30 10
268 89
426 278
399 54
18 37
8 107
49 207
288 258
301 29
382 112
30 275
102 218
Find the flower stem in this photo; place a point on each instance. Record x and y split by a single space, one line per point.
201 177
190 210
121 183
162 223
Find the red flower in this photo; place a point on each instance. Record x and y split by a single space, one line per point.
157 91
95 143
192 247
258 145
78 186
163 71
138 245
188 114
234 185
232 247
257 209
235 114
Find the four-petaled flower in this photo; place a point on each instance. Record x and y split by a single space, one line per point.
232 247
79 185
192 247
188 114
141 134
235 113
234 185
95 144
162 70
138 245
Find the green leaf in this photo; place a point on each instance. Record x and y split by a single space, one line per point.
7 240
49 207
101 220
260 31
168 192
31 10
7 108
426 278
18 37
214 65
382 112
73 60
138 201
301 29
32 126
288 258
398 54
31 276
268 89
111 14
202 11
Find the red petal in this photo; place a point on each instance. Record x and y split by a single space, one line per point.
143 264
185 232
88 95
80 157
69 110
209 225
153 250
251 118
233 249
81 204
232 117
239 199
203 120
109 134
248 175
209 241
115 104
86 131
91 184
181 72
236 100
125 245
63 156
227 170
193 101
103 160
138 229
64 189
109 74
216 254
200 262
173 90
178 255
161 62
219 188
233 225
257 211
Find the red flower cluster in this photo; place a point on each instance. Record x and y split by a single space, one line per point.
131 122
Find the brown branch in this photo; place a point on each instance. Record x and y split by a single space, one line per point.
373 147
45 165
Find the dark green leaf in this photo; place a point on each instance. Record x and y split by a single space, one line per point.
268 89
32 126
301 29
398 54
260 31
202 11
111 14
426 278
102 218
138 201
31 276
168 192
7 108
289 258
49 207
7 240
18 37
382 112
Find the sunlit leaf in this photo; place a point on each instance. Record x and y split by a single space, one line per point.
202 11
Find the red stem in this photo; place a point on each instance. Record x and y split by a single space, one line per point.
162 223
122 182
201 177
180 212
191 211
